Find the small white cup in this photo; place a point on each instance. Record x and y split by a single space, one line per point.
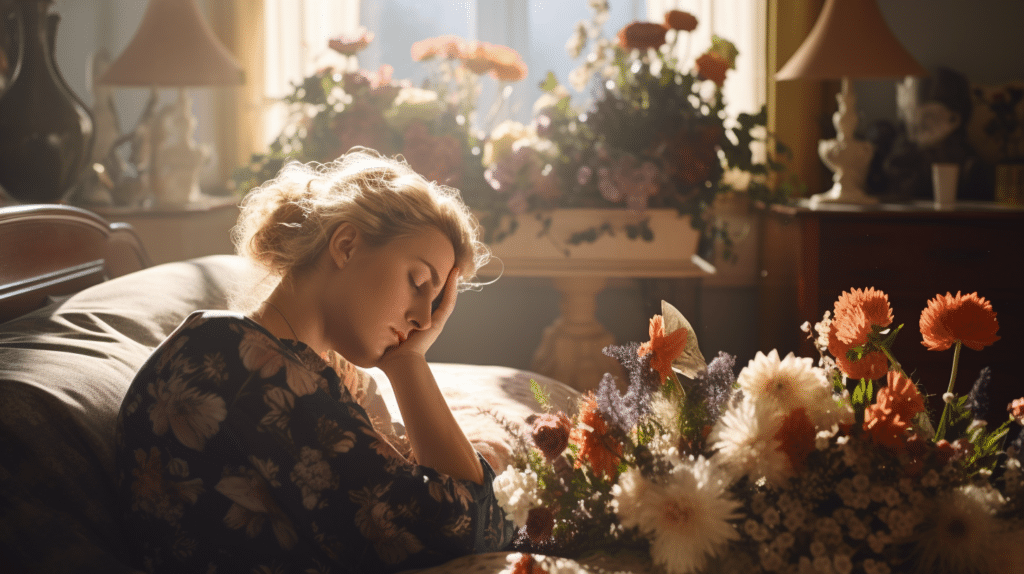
944 183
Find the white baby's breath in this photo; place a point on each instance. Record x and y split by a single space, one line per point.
516 492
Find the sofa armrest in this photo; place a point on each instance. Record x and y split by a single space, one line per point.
51 250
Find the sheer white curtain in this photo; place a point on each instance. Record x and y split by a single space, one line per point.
742 22
297 32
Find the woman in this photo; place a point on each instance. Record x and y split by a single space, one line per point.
242 445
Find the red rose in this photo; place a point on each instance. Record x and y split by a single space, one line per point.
551 434
642 35
712 67
437 158
691 156
360 125
679 20
539 524
351 44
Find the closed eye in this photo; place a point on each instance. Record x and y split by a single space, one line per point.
417 286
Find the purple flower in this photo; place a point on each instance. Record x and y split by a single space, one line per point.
714 385
623 411
977 400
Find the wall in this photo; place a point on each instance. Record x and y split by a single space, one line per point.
982 39
108 25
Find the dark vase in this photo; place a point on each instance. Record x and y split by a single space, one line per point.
45 130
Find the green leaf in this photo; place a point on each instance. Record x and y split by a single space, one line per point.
691 362
550 82
861 396
724 48
542 398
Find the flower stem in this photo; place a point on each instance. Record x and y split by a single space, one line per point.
678 385
892 359
946 410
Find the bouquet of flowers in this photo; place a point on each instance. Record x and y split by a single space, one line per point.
786 467
655 135
336 109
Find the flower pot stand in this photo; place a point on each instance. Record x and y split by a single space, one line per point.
570 348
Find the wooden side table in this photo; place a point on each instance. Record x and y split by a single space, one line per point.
912 253
172 234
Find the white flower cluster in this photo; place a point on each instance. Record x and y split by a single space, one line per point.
686 514
748 437
516 491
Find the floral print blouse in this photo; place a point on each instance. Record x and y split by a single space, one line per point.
240 452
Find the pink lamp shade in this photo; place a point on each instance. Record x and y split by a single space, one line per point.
174 47
850 39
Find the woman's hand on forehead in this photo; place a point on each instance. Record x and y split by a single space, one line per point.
420 340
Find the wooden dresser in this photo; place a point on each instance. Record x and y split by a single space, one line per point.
911 252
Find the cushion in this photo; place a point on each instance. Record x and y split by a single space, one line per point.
63 371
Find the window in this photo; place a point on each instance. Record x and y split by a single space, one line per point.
296 45
742 22
298 30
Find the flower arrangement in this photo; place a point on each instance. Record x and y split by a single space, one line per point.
336 109
655 135
786 466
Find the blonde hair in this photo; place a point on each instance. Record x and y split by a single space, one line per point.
285 223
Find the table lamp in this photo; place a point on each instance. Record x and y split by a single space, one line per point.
849 40
173 48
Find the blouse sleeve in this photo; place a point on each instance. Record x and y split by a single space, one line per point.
295 462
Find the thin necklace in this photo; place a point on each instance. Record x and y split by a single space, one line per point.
274 307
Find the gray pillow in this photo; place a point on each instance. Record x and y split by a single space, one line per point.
63 372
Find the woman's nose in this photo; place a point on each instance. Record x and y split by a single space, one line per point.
419 315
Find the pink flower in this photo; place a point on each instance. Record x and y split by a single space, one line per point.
351 44
1016 409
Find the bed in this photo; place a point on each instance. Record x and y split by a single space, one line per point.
80 310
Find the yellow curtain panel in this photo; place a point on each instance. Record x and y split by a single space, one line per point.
796 109
240 25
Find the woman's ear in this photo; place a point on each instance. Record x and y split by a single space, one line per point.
343 243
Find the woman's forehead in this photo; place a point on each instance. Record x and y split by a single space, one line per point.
429 245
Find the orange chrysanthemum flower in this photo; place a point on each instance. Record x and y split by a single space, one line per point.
796 438
872 365
447 46
901 396
857 311
887 421
506 64
679 20
475 56
965 318
666 348
596 446
712 67
642 35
